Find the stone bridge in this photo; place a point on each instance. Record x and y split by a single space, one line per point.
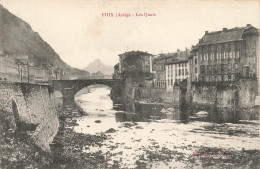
69 88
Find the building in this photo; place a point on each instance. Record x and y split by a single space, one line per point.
223 74
145 58
116 74
226 55
8 68
159 65
176 71
193 64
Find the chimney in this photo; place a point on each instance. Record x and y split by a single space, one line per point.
224 29
206 32
178 52
248 25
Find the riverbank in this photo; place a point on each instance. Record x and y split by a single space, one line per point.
158 144
91 137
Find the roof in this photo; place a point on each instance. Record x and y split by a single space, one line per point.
177 61
165 56
179 54
226 35
134 53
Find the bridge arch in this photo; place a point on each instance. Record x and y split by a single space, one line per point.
69 88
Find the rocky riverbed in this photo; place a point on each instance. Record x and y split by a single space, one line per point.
92 138
158 144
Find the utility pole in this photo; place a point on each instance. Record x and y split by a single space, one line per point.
21 70
28 71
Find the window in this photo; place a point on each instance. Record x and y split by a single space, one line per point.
237 54
186 71
195 61
229 77
176 72
209 69
214 69
203 78
202 69
222 47
196 69
179 72
222 68
182 72
236 67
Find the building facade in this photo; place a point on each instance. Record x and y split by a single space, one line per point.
176 71
146 60
159 66
8 68
226 55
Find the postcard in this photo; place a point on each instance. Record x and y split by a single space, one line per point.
129 84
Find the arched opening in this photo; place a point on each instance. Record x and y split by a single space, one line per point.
0 78
97 105
58 98
5 79
94 98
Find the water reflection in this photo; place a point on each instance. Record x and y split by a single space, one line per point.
140 112
96 102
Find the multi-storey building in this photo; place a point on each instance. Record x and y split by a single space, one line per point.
193 64
159 66
146 60
226 55
176 71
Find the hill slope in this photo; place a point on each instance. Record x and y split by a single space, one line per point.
18 38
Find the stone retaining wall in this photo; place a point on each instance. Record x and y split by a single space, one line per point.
34 104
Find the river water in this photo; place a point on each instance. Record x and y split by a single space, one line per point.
161 143
98 106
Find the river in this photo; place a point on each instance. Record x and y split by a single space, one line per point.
98 106
161 143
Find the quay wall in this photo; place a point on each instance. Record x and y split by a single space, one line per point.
226 101
30 104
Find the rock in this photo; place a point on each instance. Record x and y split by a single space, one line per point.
139 127
97 121
111 130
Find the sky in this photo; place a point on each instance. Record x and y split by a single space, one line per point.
77 31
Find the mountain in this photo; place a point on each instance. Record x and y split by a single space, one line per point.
97 65
17 38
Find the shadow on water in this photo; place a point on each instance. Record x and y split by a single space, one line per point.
139 112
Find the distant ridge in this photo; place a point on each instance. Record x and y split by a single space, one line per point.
97 65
